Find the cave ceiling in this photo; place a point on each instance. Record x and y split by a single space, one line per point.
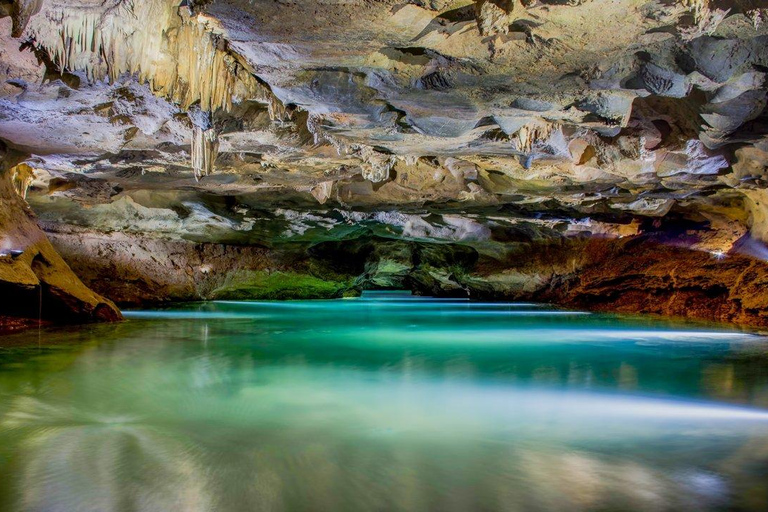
258 121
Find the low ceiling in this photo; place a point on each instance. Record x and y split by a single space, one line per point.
256 121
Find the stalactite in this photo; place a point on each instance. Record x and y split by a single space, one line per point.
177 53
706 19
314 123
527 136
276 108
376 165
205 149
342 148
315 127
21 11
22 176
698 8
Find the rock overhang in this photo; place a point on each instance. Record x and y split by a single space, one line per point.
620 110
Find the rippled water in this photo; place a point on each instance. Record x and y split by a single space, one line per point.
384 403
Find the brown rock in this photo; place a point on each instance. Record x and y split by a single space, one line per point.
34 281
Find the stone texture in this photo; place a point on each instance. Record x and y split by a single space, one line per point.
372 103
260 134
635 276
640 274
34 280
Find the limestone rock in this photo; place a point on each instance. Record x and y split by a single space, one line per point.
35 281
486 125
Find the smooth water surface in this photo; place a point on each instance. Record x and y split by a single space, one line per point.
383 403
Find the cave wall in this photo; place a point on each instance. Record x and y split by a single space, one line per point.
134 269
37 282
502 150
639 274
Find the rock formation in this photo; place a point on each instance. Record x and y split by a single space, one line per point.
34 280
179 150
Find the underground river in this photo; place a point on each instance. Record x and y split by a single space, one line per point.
386 402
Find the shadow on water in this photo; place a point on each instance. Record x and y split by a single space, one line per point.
385 402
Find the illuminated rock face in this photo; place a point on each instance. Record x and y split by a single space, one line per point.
35 282
483 124
635 274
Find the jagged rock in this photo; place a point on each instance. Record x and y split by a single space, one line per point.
635 277
21 11
376 166
322 191
493 16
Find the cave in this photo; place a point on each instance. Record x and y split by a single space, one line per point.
383 255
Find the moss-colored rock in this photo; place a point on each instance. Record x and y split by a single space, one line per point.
262 285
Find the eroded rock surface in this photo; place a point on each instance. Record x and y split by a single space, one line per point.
646 273
262 129
35 282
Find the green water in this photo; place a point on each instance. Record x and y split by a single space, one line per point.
383 403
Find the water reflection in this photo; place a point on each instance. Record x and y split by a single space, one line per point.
74 459
351 405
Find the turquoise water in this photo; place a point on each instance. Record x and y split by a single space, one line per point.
383 403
